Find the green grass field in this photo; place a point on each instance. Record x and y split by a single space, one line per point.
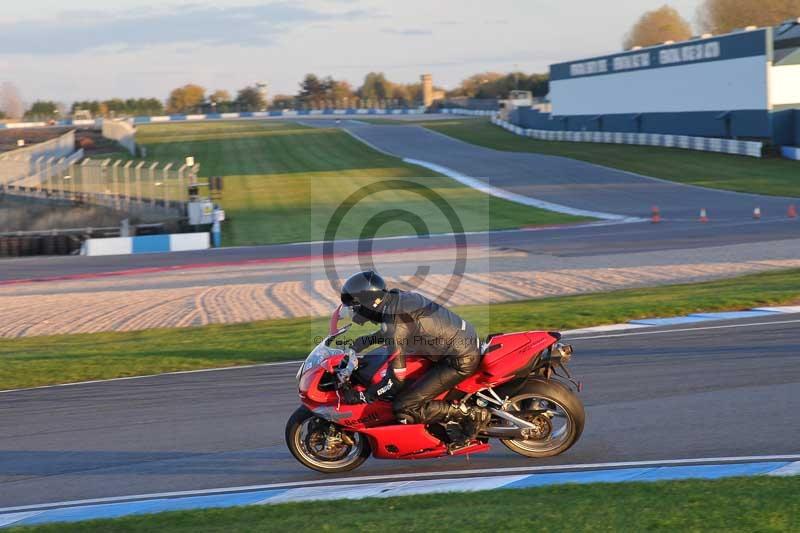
284 181
747 505
32 361
773 176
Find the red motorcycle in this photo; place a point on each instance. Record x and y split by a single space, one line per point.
522 379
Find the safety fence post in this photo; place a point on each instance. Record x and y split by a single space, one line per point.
138 171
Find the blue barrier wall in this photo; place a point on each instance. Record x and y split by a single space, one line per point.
221 116
745 123
795 138
784 127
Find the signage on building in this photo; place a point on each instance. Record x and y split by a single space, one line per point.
667 56
731 46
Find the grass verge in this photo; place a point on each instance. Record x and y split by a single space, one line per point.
772 176
284 181
33 361
732 505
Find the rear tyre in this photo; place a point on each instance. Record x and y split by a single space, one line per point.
557 413
323 446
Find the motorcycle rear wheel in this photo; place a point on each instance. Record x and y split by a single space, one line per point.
305 433
563 404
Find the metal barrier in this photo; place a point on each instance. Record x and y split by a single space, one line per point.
21 163
469 112
702 144
118 184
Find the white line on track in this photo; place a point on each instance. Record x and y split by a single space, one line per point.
482 186
412 475
701 328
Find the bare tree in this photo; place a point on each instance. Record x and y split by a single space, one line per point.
723 16
10 101
656 27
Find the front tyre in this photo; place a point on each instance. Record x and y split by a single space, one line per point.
557 414
323 446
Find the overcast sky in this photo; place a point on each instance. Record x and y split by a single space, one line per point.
85 49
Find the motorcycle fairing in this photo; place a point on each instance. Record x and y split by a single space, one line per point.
411 441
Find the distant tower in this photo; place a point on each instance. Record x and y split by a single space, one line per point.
261 87
427 90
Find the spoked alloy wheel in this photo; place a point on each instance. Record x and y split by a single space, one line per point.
322 445
557 415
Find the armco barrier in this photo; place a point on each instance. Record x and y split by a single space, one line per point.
791 152
98 123
275 114
702 144
469 112
147 244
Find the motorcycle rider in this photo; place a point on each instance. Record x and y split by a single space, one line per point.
413 324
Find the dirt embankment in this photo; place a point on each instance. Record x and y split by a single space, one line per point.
22 214
17 215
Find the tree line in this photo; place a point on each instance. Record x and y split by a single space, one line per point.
314 92
120 107
712 16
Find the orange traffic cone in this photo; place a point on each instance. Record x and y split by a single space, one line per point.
703 215
757 213
792 211
656 218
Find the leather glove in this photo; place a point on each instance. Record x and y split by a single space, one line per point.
350 396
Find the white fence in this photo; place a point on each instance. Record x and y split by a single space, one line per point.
703 144
44 170
21 163
469 112
121 131
122 185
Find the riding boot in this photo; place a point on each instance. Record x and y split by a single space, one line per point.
464 423
475 420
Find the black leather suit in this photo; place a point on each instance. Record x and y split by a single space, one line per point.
412 324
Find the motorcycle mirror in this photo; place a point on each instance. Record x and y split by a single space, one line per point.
333 327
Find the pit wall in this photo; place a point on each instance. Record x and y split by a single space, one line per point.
121 131
146 244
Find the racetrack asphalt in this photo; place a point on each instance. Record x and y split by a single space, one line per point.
566 241
716 389
558 180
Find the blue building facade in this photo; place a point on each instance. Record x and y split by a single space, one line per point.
743 85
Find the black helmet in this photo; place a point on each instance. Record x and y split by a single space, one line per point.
364 289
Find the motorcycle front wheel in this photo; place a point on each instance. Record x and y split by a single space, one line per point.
555 411
323 446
